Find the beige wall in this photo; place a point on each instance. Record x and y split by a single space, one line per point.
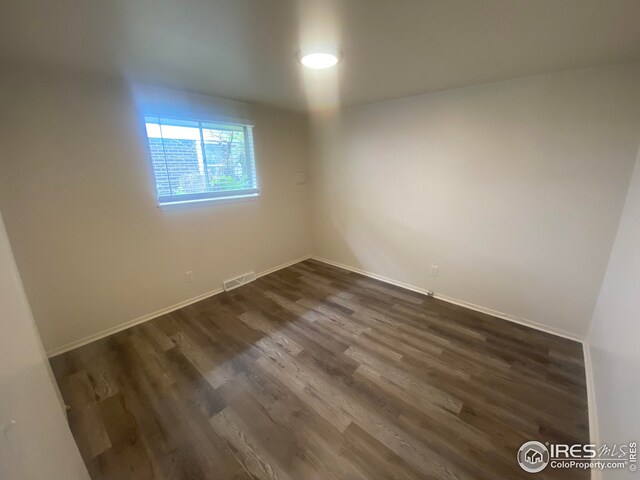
514 189
614 335
77 194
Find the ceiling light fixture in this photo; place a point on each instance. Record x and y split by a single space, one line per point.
320 59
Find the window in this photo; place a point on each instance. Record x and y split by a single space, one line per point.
194 160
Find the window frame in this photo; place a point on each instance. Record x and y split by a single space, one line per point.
203 122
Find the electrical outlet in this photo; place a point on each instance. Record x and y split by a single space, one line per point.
188 276
434 270
301 178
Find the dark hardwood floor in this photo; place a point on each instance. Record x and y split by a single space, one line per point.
313 372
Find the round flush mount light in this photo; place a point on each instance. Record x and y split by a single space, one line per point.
319 59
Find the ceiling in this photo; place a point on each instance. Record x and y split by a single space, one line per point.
246 49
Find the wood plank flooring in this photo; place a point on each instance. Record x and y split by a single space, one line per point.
314 372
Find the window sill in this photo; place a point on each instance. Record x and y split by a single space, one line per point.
204 202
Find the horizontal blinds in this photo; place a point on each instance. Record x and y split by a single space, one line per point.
194 160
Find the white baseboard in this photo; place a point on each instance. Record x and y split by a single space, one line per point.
158 313
593 424
382 278
281 266
123 326
511 318
594 434
455 301
588 367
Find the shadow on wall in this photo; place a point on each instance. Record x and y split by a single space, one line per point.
399 246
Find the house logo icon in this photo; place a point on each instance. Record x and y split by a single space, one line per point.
533 457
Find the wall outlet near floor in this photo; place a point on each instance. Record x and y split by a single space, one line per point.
434 270
301 178
188 276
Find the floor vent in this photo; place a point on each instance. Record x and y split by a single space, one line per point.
238 281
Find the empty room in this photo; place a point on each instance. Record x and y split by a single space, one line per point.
319 239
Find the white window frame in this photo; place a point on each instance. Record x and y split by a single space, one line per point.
214 197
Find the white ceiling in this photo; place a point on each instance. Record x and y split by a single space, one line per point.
245 49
